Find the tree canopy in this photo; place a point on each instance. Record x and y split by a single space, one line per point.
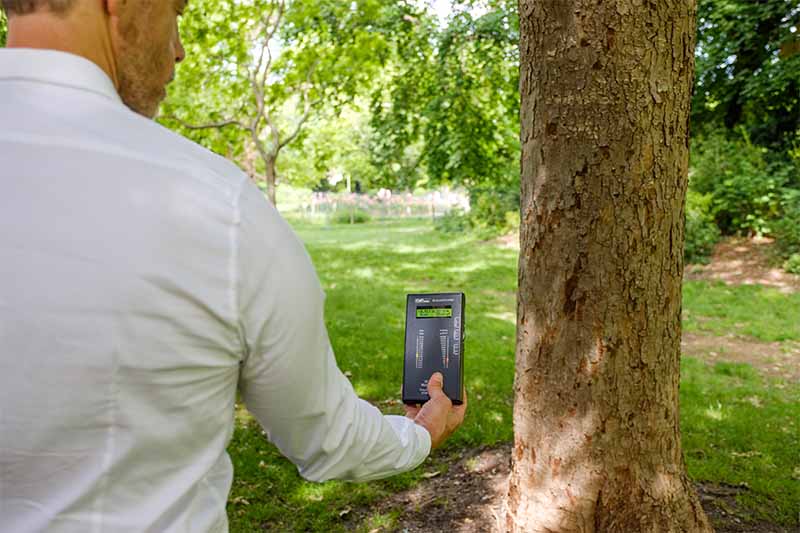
748 69
255 74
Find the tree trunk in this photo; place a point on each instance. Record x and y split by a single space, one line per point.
605 95
271 174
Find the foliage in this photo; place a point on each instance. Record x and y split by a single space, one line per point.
454 221
492 213
745 190
3 28
347 216
701 231
792 265
448 110
333 144
748 69
787 228
255 74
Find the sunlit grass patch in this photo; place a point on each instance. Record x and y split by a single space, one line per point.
740 429
750 310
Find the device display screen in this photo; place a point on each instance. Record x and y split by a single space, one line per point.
435 312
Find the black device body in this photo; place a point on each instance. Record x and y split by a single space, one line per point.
434 343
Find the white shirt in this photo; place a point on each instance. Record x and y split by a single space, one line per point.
142 280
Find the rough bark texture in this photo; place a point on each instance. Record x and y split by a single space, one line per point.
270 176
605 90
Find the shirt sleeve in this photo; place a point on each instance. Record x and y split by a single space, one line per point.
289 378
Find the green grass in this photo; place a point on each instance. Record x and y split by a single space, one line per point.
739 429
269 495
366 271
751 310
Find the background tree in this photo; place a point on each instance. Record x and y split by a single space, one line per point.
264 66
746 119
333 144
605 98
447 111
3 28
748 69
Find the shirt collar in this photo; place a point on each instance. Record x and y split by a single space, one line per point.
57 68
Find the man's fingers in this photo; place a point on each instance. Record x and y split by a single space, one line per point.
412 411
435 384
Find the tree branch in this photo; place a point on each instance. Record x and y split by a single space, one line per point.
271 33
306 113
208 126
308 105
266 26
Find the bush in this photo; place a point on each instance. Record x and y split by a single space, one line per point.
792 265
787 227
343 216
701 231
745 190
454 221
489 207
492 213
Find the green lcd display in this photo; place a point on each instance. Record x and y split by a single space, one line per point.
434 312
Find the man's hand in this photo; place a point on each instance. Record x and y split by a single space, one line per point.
438 415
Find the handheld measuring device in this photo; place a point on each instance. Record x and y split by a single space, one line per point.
434 343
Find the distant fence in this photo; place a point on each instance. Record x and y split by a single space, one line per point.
382 205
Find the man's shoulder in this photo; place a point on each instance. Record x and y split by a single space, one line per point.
166 147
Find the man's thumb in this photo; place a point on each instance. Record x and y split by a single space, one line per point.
435 385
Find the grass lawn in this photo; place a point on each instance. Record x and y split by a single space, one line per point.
755 311
736 427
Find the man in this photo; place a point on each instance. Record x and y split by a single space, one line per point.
142 281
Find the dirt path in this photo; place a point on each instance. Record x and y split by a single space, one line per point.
468 498
771 359
744 261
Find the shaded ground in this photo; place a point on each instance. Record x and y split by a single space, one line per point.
468 498
745 261
773 359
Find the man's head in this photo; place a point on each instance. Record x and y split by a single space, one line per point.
21 7
135 41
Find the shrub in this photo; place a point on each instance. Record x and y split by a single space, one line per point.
454 221
701 231
787 227
792 265
745 190
345 216
492 213
489 207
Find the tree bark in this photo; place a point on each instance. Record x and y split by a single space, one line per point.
271 174
605 96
